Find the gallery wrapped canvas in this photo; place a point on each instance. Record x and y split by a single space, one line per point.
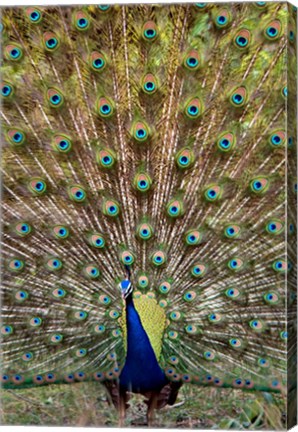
149 215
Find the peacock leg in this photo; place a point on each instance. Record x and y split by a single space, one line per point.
152 405
122 408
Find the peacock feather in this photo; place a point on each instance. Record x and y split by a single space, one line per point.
148 197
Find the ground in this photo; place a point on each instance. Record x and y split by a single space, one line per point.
86 404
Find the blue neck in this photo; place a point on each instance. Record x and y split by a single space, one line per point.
141 372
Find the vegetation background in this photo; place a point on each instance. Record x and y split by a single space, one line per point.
87 405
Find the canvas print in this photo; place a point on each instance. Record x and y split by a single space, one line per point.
149 215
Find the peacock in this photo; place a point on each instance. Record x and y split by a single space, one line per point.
148 198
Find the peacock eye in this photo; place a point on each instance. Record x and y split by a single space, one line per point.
6 90
106 158
280 266
193 237
233 293
63 144
16 265
51 41
60 232
59 293
192 60
221 20
127 258
198 270
76 193
22 229
274 226
149 86
192 110
237 98
175 208
273 30
285 91
213 193
98 63
13 52
158 258
142 182
35 322
55 98
7 330
284 335
189 296
184 158
105 107
232 231
96 240
260 185
149 31
54 264
140 131
91 271
34 16
81 21
104 8
241 41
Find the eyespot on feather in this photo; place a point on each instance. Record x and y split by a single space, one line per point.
55 98
238 97
175 208
273 30
81 21
277 139
198 270
144 231
51 41
194 108
16 137
76 193
33 14
184 158
105 107
61 143
13 52
192 61
96 240
242 39
97 61
158 258
222 18
7 90
149 84
106 158
142 182
110 208
37 186
259 185
226 142
149 31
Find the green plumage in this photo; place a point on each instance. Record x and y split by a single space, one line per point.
151 137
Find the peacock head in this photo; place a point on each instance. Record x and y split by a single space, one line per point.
126 288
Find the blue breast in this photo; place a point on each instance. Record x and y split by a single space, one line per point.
141 372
